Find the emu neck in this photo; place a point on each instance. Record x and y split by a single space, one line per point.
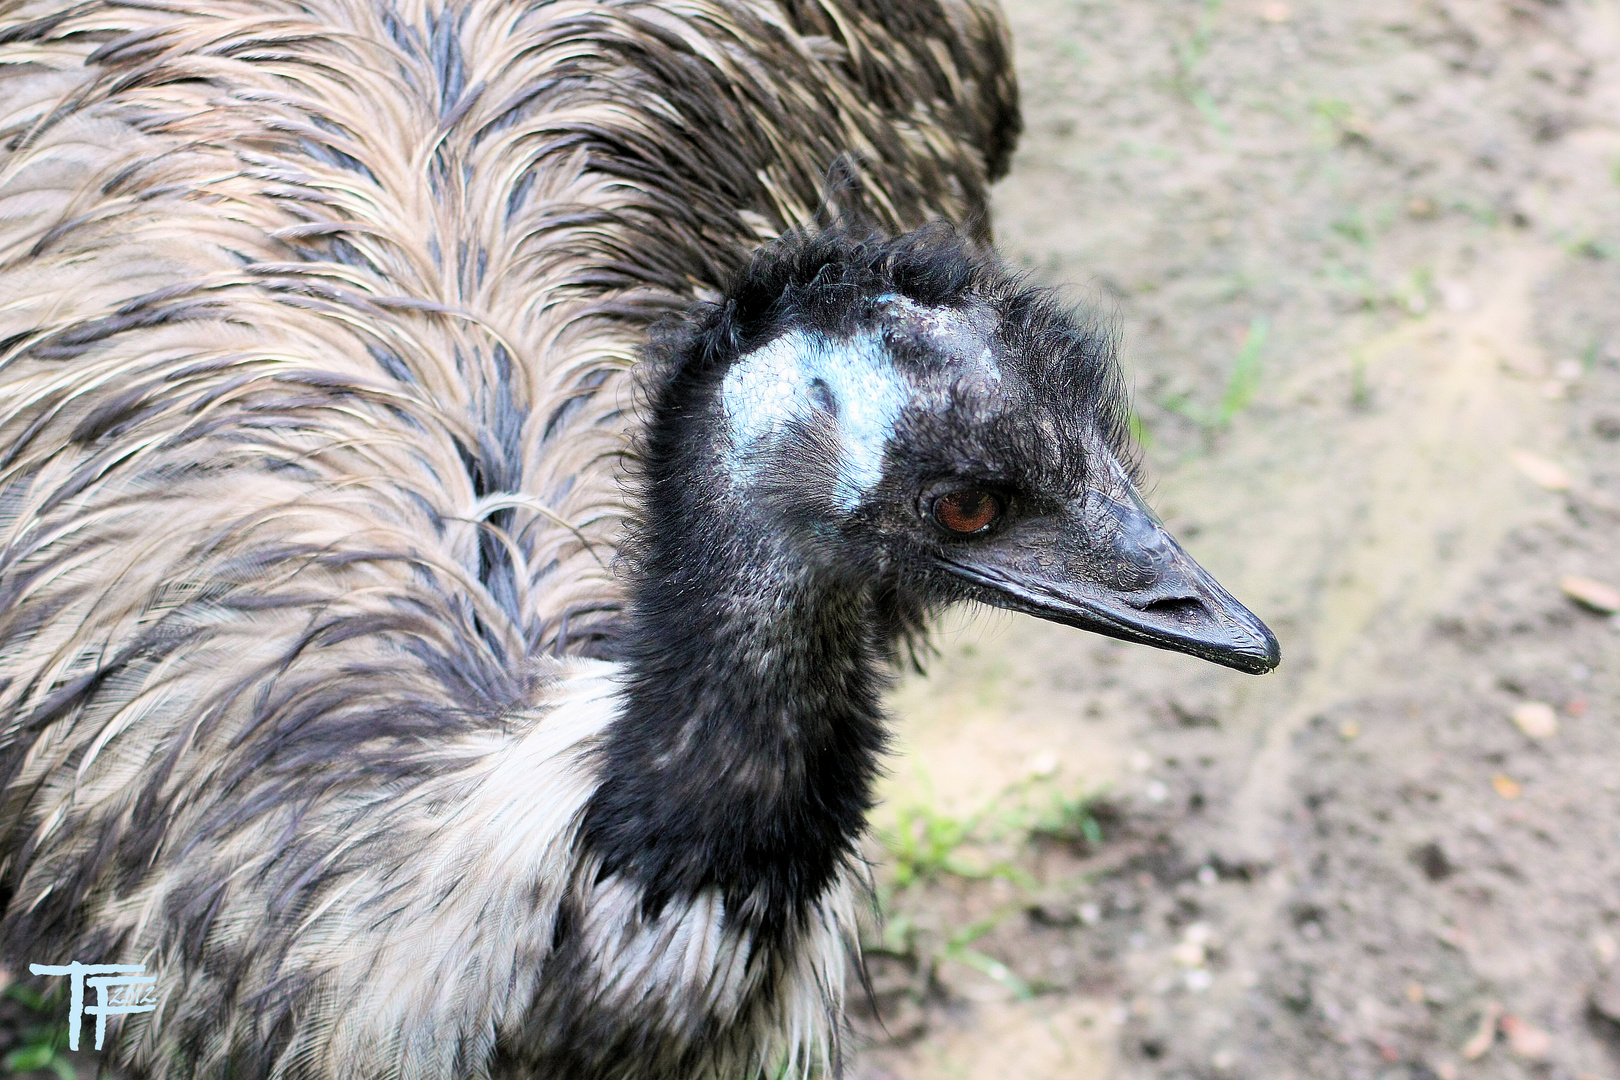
745 756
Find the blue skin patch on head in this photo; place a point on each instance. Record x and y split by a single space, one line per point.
777 384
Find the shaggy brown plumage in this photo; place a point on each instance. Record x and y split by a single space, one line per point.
315 325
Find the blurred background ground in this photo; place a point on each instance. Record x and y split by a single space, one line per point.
1365 260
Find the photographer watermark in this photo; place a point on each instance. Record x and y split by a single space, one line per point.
120 989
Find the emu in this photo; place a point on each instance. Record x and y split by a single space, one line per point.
409 691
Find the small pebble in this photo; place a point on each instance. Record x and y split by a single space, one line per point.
1043 765
1545 473
1199 980
1188 954
1525 1039
1589 592
1454 295
1506 786
1536 719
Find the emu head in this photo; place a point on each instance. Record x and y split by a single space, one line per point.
909 415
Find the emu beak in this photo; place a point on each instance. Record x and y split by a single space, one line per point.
1108 565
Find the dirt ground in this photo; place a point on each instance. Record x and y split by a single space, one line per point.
1365 258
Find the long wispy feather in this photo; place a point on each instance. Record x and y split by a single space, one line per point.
315 324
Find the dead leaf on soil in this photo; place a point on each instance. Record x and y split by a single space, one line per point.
1506 786
1543 471
1591 593
1188 954
1536 719
1525 1039
1483 1035
1192 950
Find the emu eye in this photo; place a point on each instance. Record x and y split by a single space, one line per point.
971 511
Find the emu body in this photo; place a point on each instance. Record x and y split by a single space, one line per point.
341 681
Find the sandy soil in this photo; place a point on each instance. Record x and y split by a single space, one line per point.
1365 259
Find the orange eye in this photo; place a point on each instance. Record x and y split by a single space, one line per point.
967 511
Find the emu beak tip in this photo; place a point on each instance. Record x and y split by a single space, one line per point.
1109 566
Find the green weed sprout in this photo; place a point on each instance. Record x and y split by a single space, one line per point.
42 1042
1242 383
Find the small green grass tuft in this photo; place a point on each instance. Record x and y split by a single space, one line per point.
1361 397
923 845
957 948
1070 818
926 844
1595 248
1189 53
1353 227
1333 110
1244 381
43 1042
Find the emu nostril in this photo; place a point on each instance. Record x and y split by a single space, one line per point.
1174 605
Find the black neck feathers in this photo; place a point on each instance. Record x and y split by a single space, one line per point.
745 755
